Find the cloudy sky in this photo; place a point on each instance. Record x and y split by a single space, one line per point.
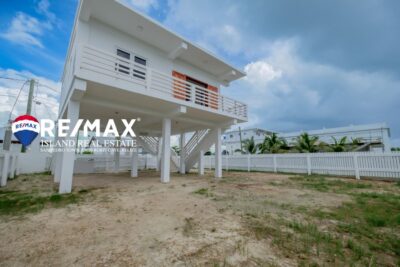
309 64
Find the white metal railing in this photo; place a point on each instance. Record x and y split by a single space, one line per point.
357 164
93 59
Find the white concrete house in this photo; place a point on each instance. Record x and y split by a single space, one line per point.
122 64
372 137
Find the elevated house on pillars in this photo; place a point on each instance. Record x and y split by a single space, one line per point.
122 64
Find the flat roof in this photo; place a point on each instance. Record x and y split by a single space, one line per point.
128 20
338 130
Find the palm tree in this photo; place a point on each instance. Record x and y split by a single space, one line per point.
307 143
339 146
272 144
249 146
176 149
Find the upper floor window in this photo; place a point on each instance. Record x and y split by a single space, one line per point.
123 54
140 60
125 65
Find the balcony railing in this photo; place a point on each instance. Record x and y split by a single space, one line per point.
165 85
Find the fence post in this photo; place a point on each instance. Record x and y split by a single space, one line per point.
308 164
4 173
275 165
356 169
12 167
227 162
248 162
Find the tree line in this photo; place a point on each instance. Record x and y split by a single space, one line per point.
303 144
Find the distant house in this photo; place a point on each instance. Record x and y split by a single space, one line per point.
122 64
371 137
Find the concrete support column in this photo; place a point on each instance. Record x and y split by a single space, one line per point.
218 153
159 150
58 162
13 159
166 150
4 172
117 154
201 163
68 156
182 154
135 163
386 142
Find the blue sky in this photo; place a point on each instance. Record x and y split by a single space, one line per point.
310 64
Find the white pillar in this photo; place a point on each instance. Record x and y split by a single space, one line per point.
386 141
135 163
4 173
356 168
16 165
158 158
218 153
182 154
54 156
68 156
117 154
58 162
308 164
201 163
166 150
13 159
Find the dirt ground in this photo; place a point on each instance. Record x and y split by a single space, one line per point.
141 222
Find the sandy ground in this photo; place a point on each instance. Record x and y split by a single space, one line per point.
142 222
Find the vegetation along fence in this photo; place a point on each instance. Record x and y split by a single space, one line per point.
357 164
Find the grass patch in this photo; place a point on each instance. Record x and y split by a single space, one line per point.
362 232
322 184
204 192
17 203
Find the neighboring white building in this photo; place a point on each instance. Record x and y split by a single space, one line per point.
373 137
122 64
231 139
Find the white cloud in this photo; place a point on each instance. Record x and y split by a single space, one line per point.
24 30
46 96
43 8
143 5
259 73
27 30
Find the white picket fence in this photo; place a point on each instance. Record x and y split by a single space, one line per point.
104 163
357 164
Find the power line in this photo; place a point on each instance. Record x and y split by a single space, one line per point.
48 87
13 79
20 90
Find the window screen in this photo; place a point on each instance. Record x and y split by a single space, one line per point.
123 54
140 60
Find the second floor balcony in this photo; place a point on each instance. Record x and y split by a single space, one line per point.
88 62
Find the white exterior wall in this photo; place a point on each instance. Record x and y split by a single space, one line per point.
109 39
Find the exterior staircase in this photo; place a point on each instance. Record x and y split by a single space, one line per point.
150 144
201 140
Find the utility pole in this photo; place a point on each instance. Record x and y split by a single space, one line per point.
30 97
240 139
29 104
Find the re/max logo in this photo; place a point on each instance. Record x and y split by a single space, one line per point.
63 128
26 125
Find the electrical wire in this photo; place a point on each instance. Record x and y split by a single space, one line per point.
20 90
12 79
48 87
